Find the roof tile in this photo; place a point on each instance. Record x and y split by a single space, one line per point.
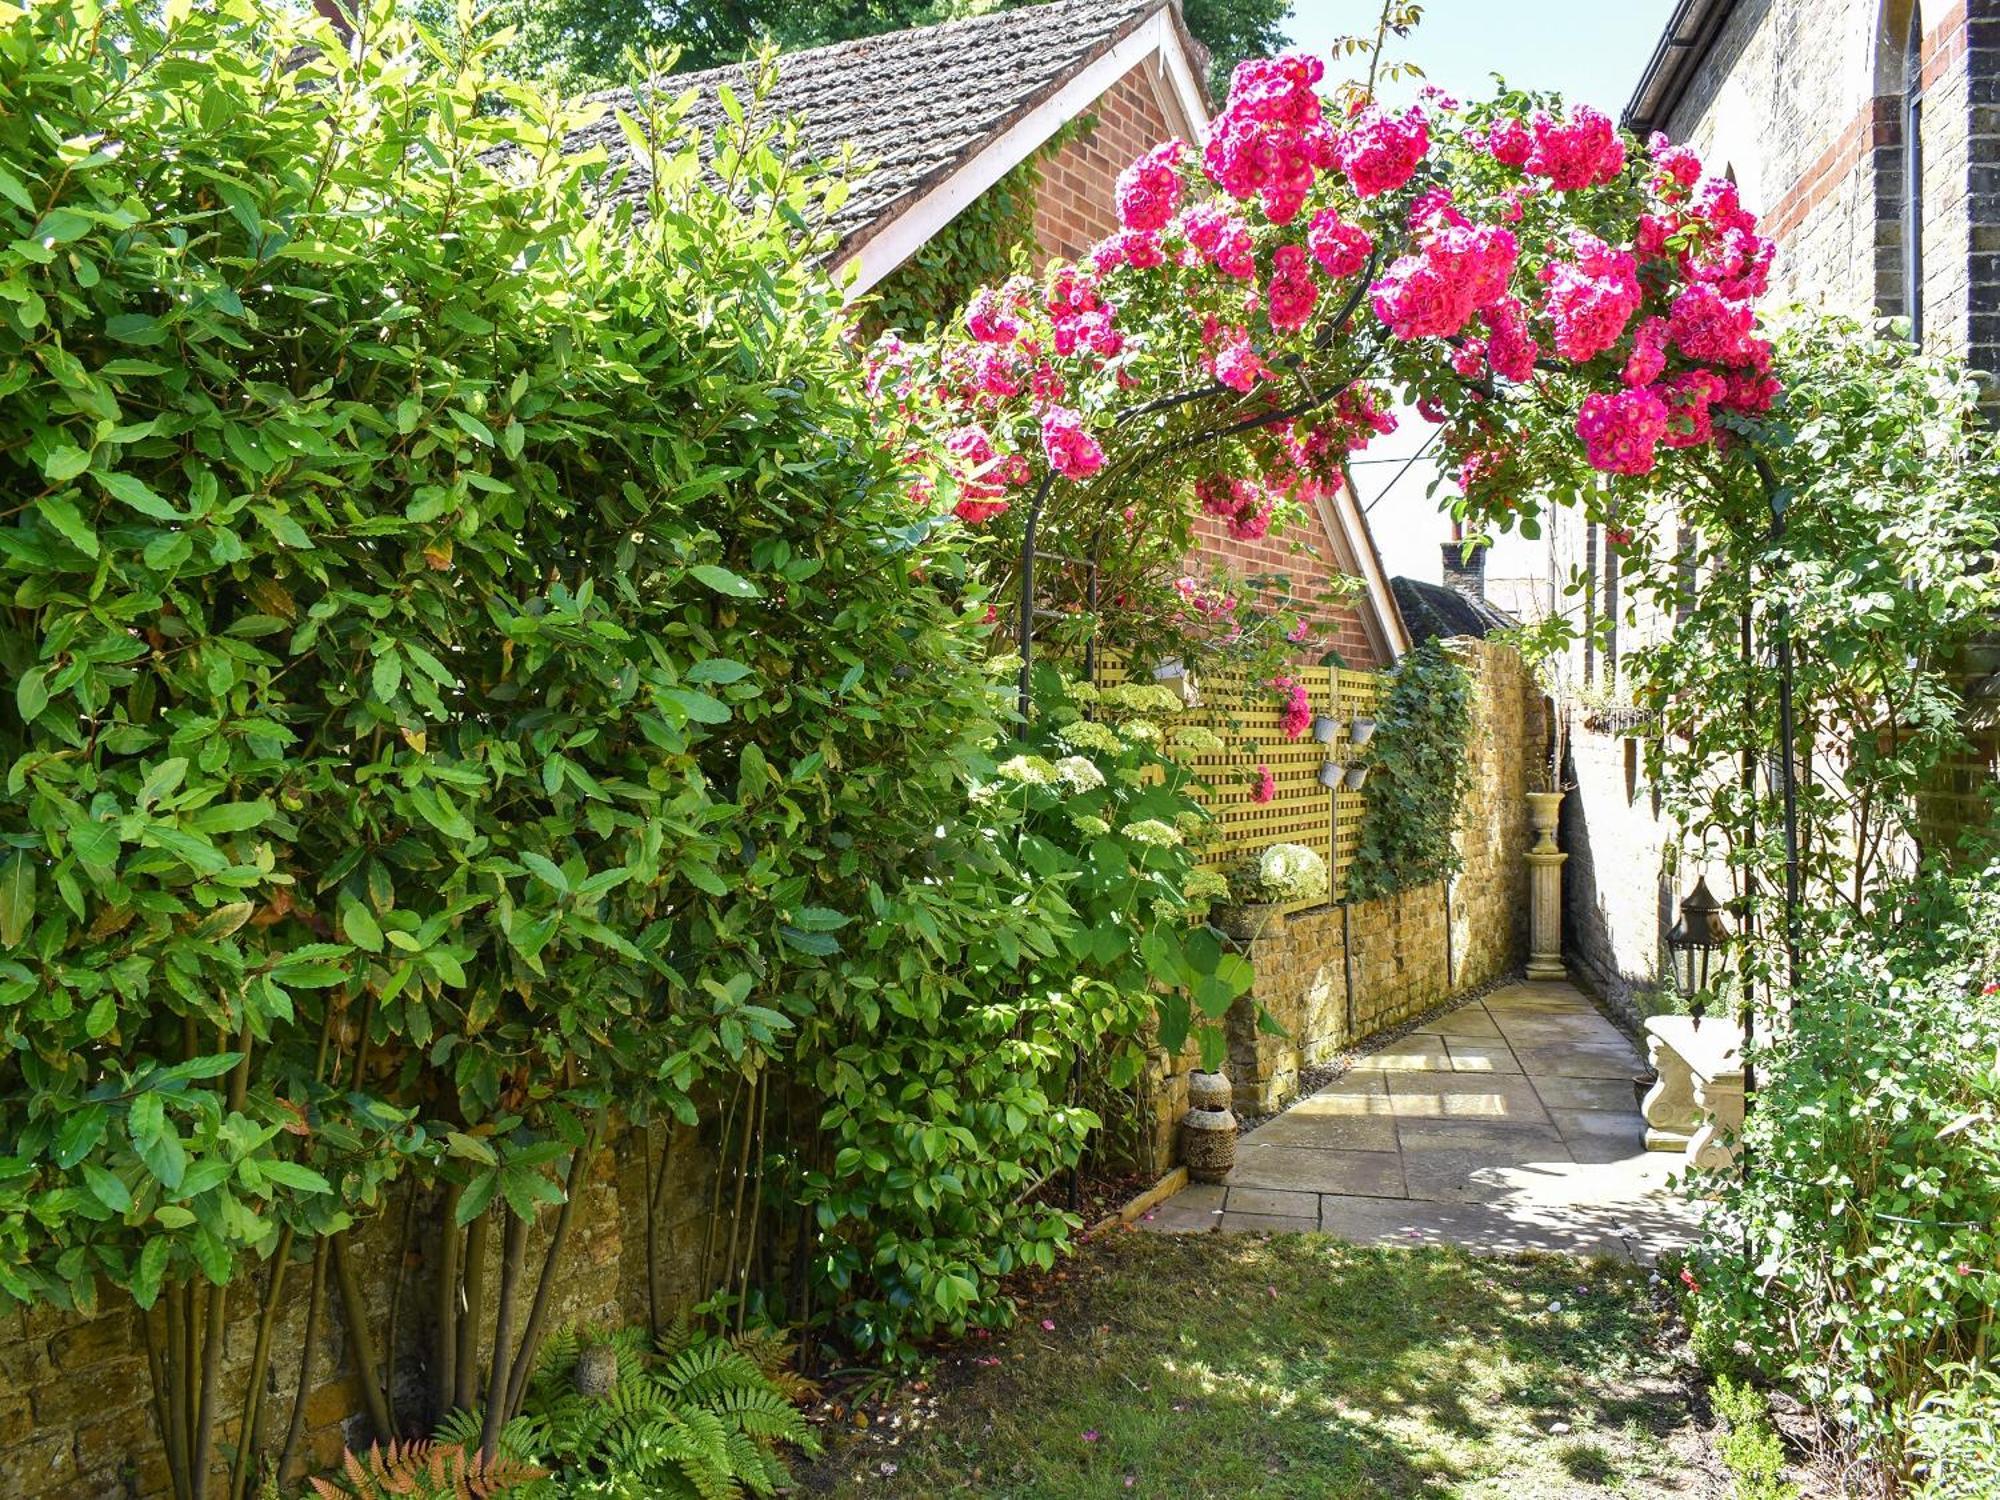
916 103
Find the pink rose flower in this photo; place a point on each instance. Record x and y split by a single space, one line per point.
1073 452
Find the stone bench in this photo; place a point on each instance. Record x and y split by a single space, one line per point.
1696 1106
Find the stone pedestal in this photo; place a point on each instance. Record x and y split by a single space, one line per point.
1545 914
1669 1107
1545 889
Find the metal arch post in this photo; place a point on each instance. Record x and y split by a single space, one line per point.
1026 629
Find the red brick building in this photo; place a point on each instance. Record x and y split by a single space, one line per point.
946 111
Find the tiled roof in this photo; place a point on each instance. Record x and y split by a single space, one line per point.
917 103
1435 610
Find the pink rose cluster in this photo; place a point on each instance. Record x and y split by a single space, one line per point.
1240 502
1078 319
1295 716
1510 349
1592 297
1271 139
1620 430
1218 238
1580 152
1236 362
1380 151
975 461
1292 293
1150 189
1459 269
1340 248
1073 452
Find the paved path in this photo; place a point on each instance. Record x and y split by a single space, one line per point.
1510 1124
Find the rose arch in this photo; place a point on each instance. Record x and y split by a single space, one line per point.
1568 306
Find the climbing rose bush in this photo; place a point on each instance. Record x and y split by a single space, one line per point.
1569 305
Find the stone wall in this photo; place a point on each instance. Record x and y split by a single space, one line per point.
1618 897
1333 976
76 1420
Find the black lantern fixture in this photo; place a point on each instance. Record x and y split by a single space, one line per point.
1694 939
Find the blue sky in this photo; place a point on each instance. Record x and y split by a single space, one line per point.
1591 51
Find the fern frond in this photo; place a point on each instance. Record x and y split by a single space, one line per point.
423 1469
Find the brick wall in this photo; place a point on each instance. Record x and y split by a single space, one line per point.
1076 209
1401 961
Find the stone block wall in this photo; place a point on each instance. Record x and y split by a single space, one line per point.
1334 976
76 1420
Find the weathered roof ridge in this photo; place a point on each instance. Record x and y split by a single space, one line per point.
1439 610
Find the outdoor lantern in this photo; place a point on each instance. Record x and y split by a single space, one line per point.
1695 938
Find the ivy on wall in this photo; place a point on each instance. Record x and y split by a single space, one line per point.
989 240
1419 779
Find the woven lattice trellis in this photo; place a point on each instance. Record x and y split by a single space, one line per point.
1245 713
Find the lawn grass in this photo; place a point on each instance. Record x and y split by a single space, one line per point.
1242 1366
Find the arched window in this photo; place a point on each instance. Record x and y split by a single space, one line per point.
1913 174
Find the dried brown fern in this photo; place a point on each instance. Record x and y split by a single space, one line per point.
420 1469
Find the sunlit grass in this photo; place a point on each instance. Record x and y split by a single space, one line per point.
1298 1366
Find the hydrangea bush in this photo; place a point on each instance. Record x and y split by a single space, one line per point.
1279 874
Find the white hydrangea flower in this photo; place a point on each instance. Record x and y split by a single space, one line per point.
1029 770
1088 734
1090 825
1152 831
1140 731
1079 773
1291 872
1198 738
1205 885
1143 697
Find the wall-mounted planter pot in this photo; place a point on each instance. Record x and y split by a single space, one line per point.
1363 731
1324 730
1357 777
1173 673
1332 774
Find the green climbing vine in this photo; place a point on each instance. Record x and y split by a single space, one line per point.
1419 777
984 245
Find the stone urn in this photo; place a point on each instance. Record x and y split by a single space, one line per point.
1208 1129
1545 889
1544 813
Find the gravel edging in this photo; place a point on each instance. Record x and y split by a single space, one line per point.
1317 1077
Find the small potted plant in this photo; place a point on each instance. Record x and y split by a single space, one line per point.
1331 774
1362 731
1356 778
1263 884
1325 729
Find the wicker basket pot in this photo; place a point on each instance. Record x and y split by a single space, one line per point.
1208 1143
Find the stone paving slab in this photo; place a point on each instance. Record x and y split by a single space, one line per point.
1510 1124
